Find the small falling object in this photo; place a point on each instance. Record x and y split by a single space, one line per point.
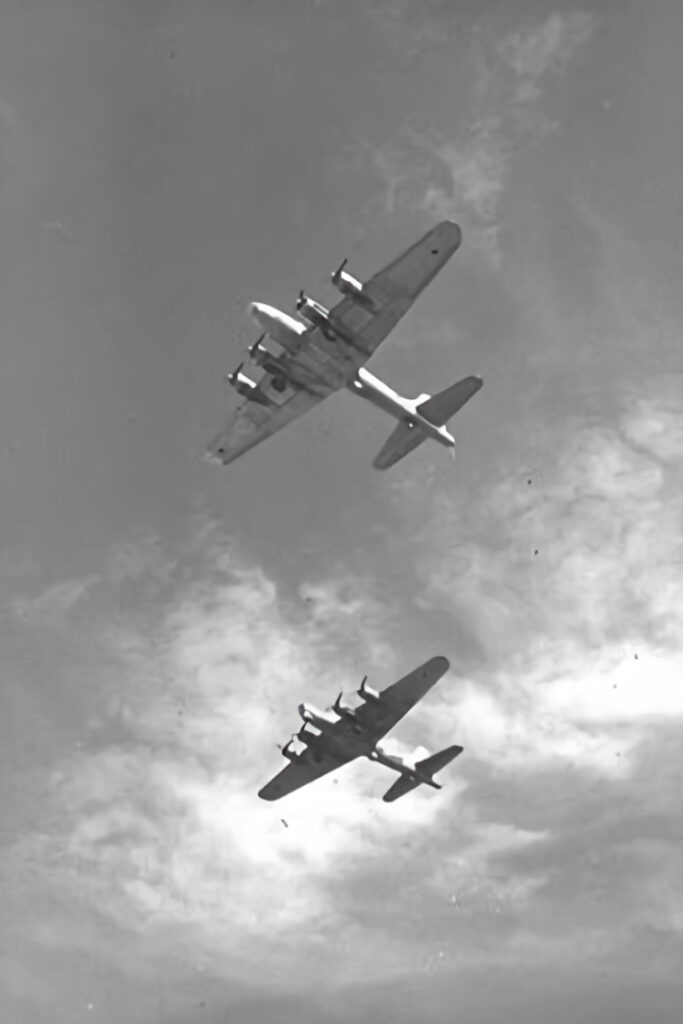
284 822
635 656
528 481
535 551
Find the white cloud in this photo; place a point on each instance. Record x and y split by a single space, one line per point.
571 588
52 606
545 47
462 173
160 820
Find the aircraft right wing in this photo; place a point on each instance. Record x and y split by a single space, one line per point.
379 716
311 764
389 294
254 421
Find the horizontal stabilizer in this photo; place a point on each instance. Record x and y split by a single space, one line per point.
437 761
438 410
403 785
403 439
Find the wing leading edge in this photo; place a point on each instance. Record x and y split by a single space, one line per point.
379 717
312 764
252 423
391 292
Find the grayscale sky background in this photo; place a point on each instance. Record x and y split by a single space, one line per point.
161 164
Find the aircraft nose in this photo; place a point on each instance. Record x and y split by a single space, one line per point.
257 311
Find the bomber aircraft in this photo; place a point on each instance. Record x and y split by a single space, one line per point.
324 350
340 734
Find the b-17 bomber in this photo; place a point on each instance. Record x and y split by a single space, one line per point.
308 357
333 737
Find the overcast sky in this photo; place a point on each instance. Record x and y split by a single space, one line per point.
161 165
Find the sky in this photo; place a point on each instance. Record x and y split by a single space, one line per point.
163 164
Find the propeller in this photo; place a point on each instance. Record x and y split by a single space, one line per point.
301 299
255 344
232 377
335 276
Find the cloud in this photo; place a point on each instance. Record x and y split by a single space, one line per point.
52 607
159 822
155 819
568 578
462 172
550 46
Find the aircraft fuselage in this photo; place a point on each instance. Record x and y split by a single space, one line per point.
374 390
355 739
328 363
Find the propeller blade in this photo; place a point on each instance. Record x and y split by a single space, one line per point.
232 377
255 344
301 298
340 268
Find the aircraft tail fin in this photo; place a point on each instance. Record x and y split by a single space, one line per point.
435 762
438 410
403 785
428 766
402 440
440 407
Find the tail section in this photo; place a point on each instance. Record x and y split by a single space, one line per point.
401 441
437 410
405 783
436 762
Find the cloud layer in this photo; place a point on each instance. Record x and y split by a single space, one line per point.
573 690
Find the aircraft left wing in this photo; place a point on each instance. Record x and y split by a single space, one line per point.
380 715
388 295
310 765
254 421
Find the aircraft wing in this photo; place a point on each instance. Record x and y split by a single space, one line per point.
397 700
254 421
310 765
389 294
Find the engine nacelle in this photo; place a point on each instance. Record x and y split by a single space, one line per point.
323 720
348 713
313 312
351 287
287 751
309 734
368 694
245 386
285 330
242 384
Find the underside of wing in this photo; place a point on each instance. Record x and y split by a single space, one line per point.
389 294
312 764
381 714
278 403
